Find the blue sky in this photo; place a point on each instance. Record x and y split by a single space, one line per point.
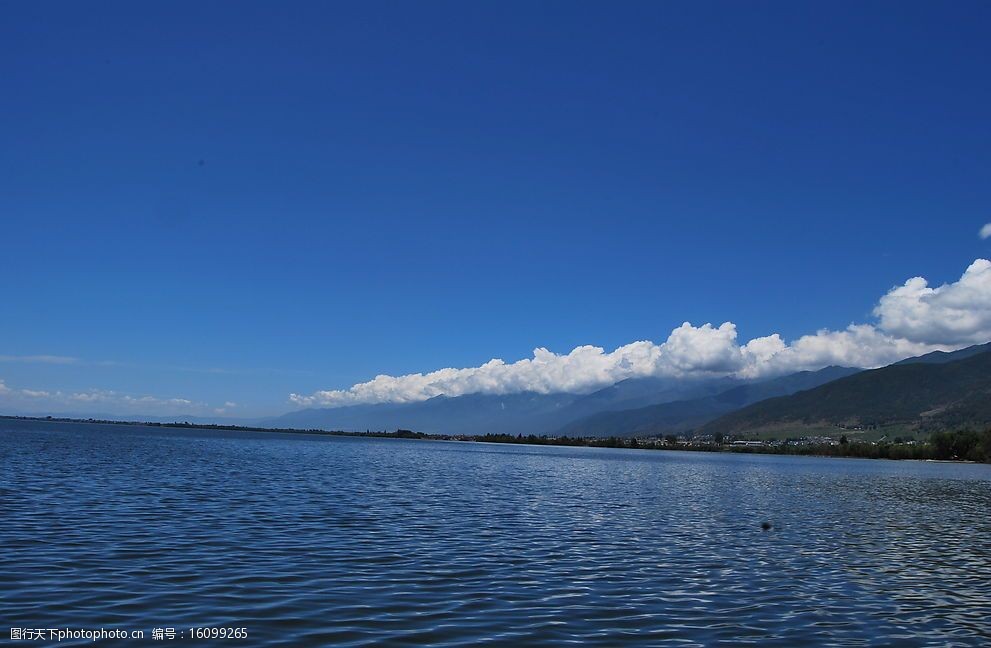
238 201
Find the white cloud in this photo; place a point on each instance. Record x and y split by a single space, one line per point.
546 372
952 314
985 231
859 345
115 398
912 319
228 405
98 401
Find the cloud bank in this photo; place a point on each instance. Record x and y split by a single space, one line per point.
912 319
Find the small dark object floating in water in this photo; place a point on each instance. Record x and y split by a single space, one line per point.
766 526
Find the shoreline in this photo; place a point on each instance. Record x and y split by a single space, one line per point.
850 450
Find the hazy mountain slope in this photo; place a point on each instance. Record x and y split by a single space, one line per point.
472 414
942 357
641 392
636 393
527 413
931 395
682 415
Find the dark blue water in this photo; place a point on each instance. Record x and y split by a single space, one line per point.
311 541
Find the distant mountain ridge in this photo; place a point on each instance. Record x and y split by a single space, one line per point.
942 357
523 413
470 414
683 415
649 405
933 392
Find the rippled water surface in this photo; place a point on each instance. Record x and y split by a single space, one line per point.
311 541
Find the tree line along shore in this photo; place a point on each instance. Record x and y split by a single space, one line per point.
957 445
966 444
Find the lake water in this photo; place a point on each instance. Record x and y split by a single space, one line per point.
313 541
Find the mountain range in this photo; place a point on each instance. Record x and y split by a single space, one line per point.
938 391
934 391
523 413
682 415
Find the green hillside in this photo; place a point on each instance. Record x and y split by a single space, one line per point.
924 396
